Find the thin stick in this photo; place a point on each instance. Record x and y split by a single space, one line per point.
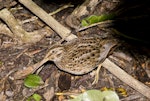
125 77
49 20
101 24
61 8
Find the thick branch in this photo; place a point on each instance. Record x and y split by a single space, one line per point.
126 78
49 20
18 32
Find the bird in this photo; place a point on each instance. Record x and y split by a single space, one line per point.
79 56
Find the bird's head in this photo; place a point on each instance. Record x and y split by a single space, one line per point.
55 53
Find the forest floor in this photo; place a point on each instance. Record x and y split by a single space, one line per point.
133 58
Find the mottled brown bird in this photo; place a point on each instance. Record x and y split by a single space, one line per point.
80 55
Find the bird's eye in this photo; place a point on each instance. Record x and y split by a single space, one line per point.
53 51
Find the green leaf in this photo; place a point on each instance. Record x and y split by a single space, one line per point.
35 97
95 19
1 63
84 23
109 96
33 80
105 17
96 95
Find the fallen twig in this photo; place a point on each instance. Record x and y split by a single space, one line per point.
64 32
102 24
126 78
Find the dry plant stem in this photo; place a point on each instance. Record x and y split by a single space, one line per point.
49 20
102 24
18 32
123 76
61 8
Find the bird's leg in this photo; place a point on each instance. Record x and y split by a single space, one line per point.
97 75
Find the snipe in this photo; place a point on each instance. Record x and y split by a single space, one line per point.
79 56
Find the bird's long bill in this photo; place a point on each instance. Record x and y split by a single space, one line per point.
39 64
